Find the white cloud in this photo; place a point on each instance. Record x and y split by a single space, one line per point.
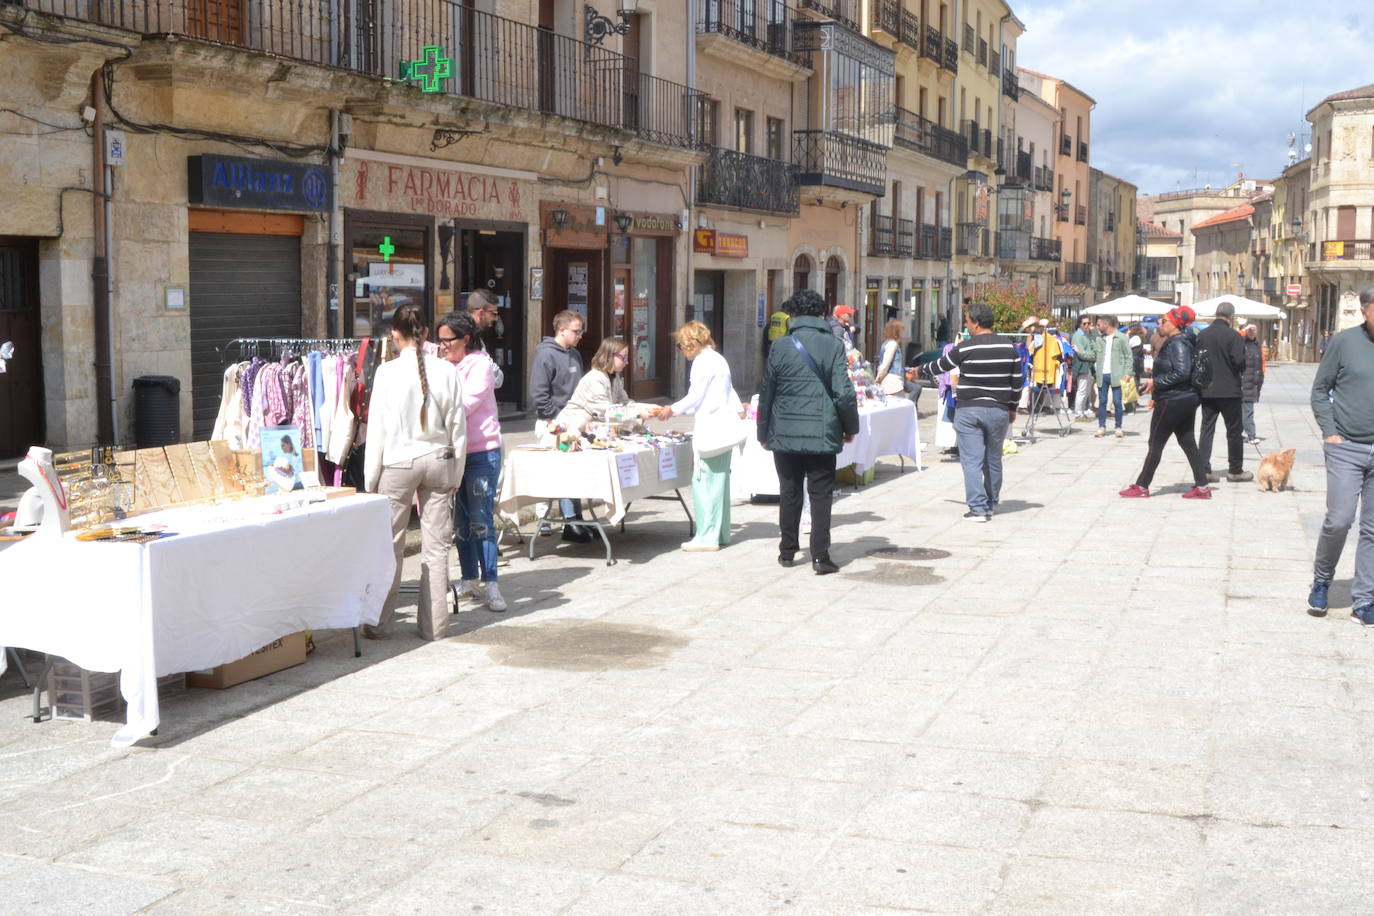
1188 89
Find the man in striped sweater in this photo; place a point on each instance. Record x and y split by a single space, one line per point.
989 385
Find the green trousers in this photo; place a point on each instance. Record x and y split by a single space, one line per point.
711 499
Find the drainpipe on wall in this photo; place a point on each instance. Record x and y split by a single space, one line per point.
106 410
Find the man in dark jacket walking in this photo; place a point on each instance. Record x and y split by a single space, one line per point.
807 411
1251 381
1225 354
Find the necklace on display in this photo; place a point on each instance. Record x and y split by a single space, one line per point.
58 492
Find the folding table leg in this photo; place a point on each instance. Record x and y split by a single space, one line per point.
357 642
691 522
38 689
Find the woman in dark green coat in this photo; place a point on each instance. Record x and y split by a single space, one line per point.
807 411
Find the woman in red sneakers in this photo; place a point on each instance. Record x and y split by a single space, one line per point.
1176 404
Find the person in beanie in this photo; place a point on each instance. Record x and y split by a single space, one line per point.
1251 381
1176 404
1225 353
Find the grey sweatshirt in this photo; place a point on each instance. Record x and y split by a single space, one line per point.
554 374
1343 391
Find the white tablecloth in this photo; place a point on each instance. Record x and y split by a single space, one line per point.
232 579
884 429
539 475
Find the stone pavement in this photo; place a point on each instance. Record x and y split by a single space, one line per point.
1091 706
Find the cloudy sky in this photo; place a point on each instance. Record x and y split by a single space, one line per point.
1187 89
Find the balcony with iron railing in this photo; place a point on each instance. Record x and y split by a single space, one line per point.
986 138
927 242
1109 222
906 238
765 27
489 58
911 31
898 23
1044 178
946 243
1011 85
1080 215
844 11
832 159
1082 151
1061 213
971 240
741 181
1343 250
969 39
982 56
882 242
1075 272
928 138
1065 145
933 47
994 63
951 59
1273 286
1044 249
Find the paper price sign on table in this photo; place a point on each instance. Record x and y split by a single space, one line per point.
667 463
628 469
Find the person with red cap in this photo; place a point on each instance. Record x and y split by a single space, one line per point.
842 326
1176 403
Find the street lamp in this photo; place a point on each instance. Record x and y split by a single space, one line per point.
600 27
1297 225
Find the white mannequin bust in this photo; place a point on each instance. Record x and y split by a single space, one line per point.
37 468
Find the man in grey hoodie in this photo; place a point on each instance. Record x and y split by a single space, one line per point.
554 374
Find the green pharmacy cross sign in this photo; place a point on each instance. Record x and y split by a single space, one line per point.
430 71
386 249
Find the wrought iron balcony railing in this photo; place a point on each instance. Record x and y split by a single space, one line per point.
911 31
1345 250
972 239
995 63
969 39
1011 85
881 240
946 243
838 160
442 46
1065 145
987 142
1075 272
886 16
845 11
906 238
933 47
982 52
1061 214
1080 215
766 27
923 136
1044 178
1082 151
732 179
1043 249
951 59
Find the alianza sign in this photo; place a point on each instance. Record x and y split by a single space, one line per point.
258 184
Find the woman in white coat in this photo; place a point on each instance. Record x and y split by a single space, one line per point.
711 396
416 444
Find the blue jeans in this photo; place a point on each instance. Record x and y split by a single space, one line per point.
1102 402
474 525
980 431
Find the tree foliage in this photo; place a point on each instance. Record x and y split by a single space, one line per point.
1011 306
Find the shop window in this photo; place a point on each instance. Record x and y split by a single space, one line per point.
388 271
644 330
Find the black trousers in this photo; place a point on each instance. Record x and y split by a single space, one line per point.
818 473
1230 410
1173 417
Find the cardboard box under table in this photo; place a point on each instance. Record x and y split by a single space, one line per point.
233 578
615 478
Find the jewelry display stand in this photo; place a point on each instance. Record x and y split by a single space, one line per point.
37 468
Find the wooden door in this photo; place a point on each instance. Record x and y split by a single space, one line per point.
21 384
216 20
574 282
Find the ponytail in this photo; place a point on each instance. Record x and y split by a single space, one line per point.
409 321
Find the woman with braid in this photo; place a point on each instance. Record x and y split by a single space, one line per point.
416 443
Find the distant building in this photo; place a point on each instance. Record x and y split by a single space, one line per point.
1158 259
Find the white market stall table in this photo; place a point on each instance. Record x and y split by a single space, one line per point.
534 475
884 429
233 578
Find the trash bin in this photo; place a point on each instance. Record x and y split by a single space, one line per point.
157 410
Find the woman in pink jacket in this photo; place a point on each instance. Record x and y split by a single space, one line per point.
474 523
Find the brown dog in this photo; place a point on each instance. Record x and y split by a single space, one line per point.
1274 470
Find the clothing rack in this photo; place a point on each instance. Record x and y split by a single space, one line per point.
274 346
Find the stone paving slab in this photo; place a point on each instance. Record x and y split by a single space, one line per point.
1090 706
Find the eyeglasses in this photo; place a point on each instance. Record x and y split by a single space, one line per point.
623 356
578 331
445 341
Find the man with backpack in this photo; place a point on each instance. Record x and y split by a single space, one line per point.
1222 350
1175 390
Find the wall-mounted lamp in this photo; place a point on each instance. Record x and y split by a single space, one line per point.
617 156
559 217
624 221
600 27
1297 225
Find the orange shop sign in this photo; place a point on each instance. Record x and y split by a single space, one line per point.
720 244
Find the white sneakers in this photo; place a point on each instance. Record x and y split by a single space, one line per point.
487 593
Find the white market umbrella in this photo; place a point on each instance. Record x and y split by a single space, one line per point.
1129 305
1245 308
